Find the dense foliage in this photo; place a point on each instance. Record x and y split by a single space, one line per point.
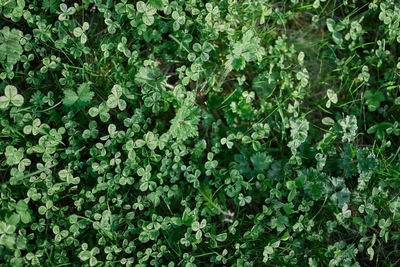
199 133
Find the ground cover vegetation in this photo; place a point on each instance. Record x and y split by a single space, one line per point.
199 133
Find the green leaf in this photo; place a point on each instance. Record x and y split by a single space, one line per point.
384 224
184 125
291 195
80 99
84 255
11 95
10 48
150 76
17 100
221 237
10 91
50 4
195 226
349 128
78 31
141 7
4 102
330 23
21 206
70 97
13 219
248 49
332 98
42 210
298 132
337 38
374 99
300 58
112 101
261 161
328 121
25 217
7 228
93 111
158 4
370 252
148 19
187 218
177 221
84 93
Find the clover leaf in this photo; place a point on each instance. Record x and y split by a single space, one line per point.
80 32
65 12
147 11
11 96
115 100
335 29
23 211
332 98
374 99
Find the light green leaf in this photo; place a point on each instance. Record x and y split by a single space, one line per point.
17 100
21 206
195 226
13 219
221 237
10 91
158 4
370 252
70 97
4 102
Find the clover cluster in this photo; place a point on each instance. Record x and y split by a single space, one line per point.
199 133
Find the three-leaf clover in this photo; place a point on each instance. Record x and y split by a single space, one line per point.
89 255
80 32
112 26
179 20
197 226
145 182
35 128
332 98
23 211
303 77
7 236
364 75
65 12
13 155
102 111
335 29
243 199
298 132
11 96
46 209
13 9
148 12
204 51
115 100
68 177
